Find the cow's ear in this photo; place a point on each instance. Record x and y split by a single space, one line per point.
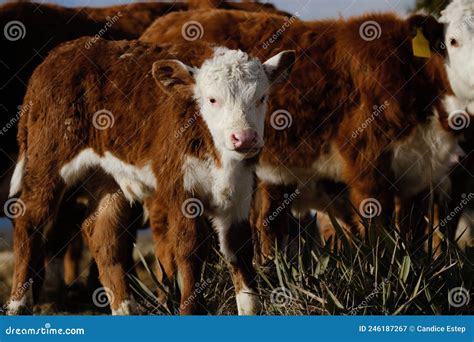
432 30
278 68
172 75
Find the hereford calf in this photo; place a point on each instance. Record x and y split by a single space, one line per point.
117 106
358 110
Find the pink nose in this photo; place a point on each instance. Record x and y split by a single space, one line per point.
244 139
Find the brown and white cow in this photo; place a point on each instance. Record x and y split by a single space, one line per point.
360 109
31 31
116 107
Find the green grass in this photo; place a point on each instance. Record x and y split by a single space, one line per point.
377 276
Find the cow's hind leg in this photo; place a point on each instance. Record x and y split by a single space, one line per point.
36 211
111 243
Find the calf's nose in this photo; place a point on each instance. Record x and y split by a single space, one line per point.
243 139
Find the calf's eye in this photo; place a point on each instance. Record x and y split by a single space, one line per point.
454 42
262 99
213 101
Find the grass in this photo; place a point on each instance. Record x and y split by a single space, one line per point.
377 276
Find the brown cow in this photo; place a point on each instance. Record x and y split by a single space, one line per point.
360 108
115 107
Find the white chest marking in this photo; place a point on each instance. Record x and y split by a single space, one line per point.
227 189
135 182
424 157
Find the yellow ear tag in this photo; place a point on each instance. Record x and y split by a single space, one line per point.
421 45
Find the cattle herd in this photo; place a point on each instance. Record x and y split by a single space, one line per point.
213 116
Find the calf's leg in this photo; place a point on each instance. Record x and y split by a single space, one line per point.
236 245
38 202
111 243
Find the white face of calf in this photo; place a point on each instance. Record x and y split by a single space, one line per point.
458 18
231 90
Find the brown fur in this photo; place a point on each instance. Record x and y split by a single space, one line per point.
337 80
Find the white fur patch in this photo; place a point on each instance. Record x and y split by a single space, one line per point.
135 182
17 178
424 157
15 307
247 302
227 189
126 308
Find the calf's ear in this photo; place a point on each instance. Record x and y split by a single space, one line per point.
172 75
432 30
278 68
